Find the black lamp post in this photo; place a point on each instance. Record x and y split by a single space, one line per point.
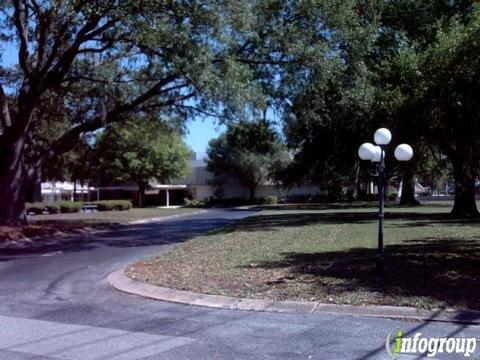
376 154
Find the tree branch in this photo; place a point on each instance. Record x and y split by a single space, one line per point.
68 140
19 13
87 32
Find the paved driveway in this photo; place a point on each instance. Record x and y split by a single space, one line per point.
55 303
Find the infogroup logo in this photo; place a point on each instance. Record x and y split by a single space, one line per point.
397 344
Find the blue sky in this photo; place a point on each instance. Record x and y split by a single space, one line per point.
199 133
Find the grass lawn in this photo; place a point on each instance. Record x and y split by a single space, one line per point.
327 254
108 217
43 226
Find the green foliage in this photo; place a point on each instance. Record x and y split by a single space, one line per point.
52 208
109 205
140 150
193 202
269 200
69 206
34 208
250 152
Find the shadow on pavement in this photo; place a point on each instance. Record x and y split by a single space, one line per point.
124 236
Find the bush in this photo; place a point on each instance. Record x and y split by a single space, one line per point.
392 193
52 208
392 197
69 206
269 200
35 208
109 205
229 202
192 202
123 205
104 205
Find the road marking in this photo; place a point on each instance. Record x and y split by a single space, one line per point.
71 342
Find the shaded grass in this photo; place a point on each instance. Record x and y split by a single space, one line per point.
328 255
55 225
107 217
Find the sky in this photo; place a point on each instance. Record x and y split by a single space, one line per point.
199 133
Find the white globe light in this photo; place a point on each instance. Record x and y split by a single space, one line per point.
403 152
382 136
378 154
366 151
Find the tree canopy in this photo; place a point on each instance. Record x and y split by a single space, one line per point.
102 61
141 150
250 152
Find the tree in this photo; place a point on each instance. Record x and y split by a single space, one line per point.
141 150
248 151
332 96
435 73
412 66
103 61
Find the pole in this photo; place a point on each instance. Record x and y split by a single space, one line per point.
380 266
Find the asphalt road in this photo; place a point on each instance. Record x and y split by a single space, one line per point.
55 303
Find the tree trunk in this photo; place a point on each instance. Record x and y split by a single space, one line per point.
13 178
34 187
141 194
74 189
251 190
408 188
464 171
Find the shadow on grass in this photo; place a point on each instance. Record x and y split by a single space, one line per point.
353 205
121 236
275 221
447 271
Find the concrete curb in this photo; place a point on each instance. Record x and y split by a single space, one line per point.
121 282
161 218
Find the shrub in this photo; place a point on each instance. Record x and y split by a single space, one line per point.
105 205
123 205
69 206
234 201
190 202
52 208
392 197
392 193
269 200
35 208
109 205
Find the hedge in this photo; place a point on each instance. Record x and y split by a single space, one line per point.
269 200
75 206
35 208
69 206
109 205
52 208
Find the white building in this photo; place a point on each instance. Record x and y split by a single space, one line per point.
64 190
200 183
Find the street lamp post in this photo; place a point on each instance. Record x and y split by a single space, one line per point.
376 154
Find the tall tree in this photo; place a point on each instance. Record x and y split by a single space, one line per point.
410 65
250 152
435 73
104 60
141 150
